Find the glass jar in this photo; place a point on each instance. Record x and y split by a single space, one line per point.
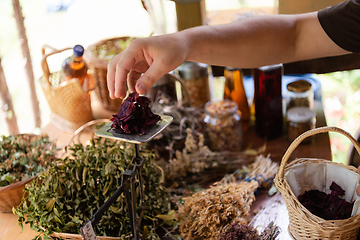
299 93
300 120
223 125
196 80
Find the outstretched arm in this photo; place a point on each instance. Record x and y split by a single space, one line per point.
247 43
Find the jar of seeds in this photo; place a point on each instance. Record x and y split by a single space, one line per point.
196 79
223 125
300 120
299 94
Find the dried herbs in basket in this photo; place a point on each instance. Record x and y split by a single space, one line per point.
108 50
327 206
66 197
24 156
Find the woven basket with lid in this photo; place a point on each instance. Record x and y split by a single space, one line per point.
302 223
98 67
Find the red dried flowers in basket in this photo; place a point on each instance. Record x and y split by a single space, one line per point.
305 174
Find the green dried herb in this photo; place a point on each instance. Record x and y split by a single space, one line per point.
65 197
23 156
111 48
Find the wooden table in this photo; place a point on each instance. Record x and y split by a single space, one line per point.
270 208
273 208
319 147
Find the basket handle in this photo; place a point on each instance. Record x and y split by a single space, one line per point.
44 63
309 133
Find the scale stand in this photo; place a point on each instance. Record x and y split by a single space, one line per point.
128 180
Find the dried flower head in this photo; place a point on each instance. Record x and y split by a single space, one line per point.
135 116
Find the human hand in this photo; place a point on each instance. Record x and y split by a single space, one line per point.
144 62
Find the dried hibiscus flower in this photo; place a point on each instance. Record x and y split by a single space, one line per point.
327 206
134 116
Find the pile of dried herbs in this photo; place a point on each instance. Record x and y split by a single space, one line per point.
208 213
195 160
111 48
205 214
24 156
247 232
173 137
66 197
327 206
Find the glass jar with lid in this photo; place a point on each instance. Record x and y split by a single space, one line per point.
299 93
223 125
196 80
299 120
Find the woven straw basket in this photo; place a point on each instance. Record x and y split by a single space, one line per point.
68 236
98 69
69 102
302 223
11 195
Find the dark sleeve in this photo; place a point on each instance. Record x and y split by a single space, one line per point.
341 23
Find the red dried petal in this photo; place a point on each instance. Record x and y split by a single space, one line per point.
134 116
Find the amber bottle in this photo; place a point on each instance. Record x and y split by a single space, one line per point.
75 66
234 89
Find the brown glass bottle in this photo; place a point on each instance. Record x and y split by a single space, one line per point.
268 101
234 89
75 66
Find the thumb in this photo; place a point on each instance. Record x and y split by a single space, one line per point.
148 79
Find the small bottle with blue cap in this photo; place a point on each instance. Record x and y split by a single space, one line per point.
75 66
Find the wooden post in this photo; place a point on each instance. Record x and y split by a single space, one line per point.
7 105
26 54
190 13
303 6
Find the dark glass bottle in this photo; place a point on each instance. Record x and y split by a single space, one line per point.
75 66
268 101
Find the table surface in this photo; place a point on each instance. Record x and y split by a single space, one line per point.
268 208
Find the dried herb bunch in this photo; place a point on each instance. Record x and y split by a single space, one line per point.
206 214
23 156
65 197
173 137
196 157
239 231
263 170
246 232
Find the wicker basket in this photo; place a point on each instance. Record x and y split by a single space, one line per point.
69 102
98 69
69 236
302 223
11 195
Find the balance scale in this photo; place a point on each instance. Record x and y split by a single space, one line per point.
129 177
